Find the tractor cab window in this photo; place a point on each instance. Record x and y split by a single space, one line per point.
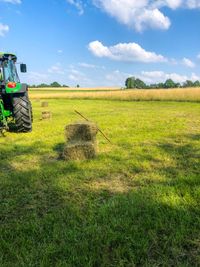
10 72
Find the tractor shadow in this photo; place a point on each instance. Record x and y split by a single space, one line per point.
58 148
12 128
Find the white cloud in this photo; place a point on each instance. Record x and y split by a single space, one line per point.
78 76
151 19
12 1
198 56
142 14
126 52
60 51
135 14
3 29
194 77
33 77
78 4
160 76
57 68
117 78
173 4
188 63
193 3
87 65
90 66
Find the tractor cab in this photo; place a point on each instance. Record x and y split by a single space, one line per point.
8 72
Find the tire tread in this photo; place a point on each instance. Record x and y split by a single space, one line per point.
22 112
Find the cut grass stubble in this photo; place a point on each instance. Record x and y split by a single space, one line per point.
136 204
189 94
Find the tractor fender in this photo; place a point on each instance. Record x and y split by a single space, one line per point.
20 88
24 88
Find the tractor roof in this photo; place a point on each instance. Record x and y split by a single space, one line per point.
4 56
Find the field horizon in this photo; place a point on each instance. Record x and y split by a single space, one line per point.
186 94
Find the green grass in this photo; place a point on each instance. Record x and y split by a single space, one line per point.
136 204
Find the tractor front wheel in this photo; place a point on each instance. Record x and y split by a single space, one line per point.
22 112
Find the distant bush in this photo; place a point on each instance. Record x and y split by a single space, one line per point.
44 85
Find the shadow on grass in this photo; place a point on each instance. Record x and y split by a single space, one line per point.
12 127
59 148
50 216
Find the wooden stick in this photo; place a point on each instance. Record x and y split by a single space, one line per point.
97 127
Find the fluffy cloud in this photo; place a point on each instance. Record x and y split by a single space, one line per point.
116 78
3 29
160 76
144 13
78 4
173 4
188 63
126 52
135 14
198 56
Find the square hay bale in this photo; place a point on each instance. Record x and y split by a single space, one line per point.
81 131
80 151
46 115
44 104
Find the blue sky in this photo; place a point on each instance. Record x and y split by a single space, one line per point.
101 42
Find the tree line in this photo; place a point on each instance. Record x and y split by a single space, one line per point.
45 85
135 83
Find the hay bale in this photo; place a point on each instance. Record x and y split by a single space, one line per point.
44 104
81 131
81 141
46 115
80 150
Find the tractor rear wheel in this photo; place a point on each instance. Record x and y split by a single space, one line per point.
22 113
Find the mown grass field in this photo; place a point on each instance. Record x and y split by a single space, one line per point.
189 94
136 204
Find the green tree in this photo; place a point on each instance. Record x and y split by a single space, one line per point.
160 85
43 85
153 86
178 85
55 84
197 84
130 83
139 84
170 84
188 83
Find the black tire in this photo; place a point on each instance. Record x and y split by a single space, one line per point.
22 113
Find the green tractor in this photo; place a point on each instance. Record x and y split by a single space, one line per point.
15 105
